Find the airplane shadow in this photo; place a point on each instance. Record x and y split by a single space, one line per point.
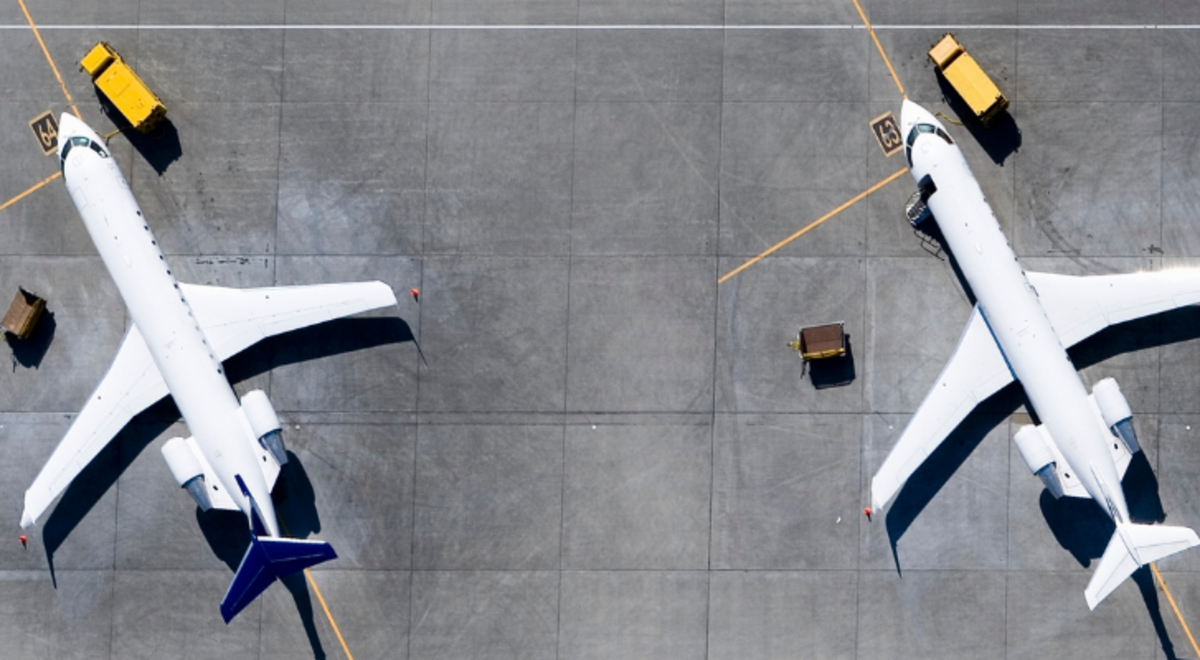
325 340
295 505
99 476
30 351
1084 530
314 342
933 474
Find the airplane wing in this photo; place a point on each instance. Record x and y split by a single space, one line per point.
976 371
232 320
235 319
131 385
1079 307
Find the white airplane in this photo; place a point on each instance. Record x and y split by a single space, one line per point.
177 342
1020 329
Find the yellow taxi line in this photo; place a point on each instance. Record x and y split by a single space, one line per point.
30 191
46 52
845 205
328 614
1162 583
882 54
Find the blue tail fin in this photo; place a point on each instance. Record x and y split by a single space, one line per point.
267 559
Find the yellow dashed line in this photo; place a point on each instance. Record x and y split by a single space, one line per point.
1162 583
882 54
35 186
851 202
46 52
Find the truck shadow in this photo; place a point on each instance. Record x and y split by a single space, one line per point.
30 352
159 148
999 141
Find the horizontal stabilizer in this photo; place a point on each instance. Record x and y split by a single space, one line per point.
267 559
1131 547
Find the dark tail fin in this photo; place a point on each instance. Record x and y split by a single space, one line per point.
267 559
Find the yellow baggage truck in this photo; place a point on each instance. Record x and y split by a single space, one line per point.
128 94
967 78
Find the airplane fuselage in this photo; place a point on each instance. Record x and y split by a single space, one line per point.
159 309
1014 314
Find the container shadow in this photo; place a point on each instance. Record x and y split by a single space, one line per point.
833 372
30 352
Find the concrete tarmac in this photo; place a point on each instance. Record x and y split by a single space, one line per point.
576 444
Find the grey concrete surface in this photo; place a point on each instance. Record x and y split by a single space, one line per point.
576 444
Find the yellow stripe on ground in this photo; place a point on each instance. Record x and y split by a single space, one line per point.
1186 630
882 54
46 52
35 186
328 614
851 202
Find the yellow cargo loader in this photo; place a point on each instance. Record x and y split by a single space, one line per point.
128 94
967 78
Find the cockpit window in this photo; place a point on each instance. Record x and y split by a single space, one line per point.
81 141
917 130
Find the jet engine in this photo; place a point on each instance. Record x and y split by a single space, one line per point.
185 467
1116 412
1039 457
265 423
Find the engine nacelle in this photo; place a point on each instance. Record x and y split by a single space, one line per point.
185 467
1038 457
1116 412
265 423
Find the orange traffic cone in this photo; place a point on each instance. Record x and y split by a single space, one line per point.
416 294
867 512
24 541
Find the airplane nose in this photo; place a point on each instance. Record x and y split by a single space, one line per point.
68 127
908 112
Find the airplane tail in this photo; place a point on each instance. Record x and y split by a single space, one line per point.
265 560
1133 546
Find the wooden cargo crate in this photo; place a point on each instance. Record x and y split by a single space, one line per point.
818 342
23 314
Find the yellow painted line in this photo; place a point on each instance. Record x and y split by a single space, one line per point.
851 202
882 54
328 614
1175 607
46 52
35 186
